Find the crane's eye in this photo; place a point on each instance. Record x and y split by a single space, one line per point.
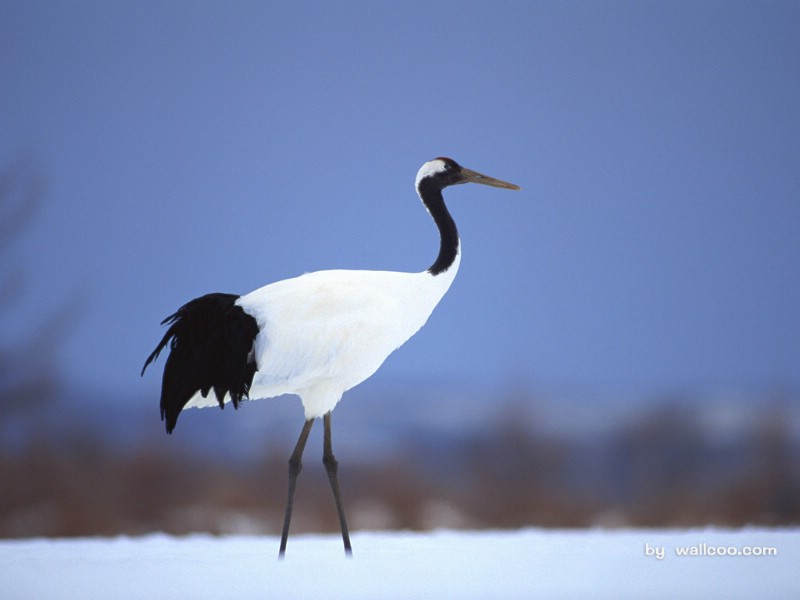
449 167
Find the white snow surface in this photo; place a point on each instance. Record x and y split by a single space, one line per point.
530 563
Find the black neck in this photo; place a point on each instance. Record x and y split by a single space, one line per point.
432 198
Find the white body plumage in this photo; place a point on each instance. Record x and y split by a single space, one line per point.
322 333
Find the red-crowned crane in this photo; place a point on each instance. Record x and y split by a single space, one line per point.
316 336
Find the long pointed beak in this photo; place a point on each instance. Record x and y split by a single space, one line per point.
471 176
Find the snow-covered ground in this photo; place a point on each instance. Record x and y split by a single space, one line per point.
531 563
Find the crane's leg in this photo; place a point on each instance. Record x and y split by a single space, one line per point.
295 466
332 467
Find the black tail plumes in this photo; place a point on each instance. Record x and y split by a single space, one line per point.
211 343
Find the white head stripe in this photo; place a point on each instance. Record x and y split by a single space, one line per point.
429 168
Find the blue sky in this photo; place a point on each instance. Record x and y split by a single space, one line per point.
190 147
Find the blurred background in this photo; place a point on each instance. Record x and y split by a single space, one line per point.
621 346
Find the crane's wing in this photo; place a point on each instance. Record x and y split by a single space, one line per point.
211 347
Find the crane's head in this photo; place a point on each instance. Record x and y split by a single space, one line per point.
441 172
